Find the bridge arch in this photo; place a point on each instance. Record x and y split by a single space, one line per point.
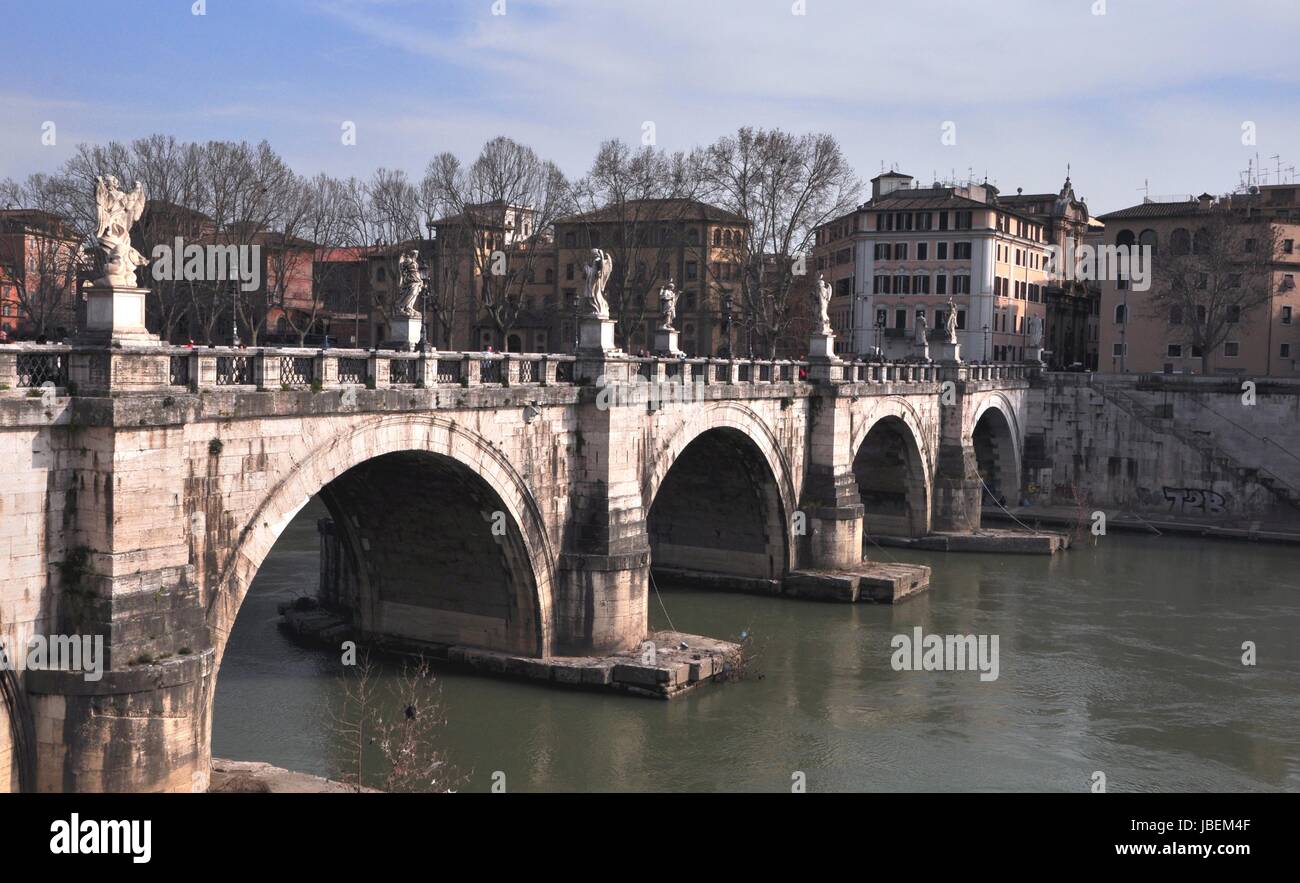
995 435
893 466
718 496
467 475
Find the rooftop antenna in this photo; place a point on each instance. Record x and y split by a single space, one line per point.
1146 189
1278 157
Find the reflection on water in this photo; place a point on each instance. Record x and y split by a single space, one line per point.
1124 658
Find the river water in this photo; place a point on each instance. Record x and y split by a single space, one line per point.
1125 658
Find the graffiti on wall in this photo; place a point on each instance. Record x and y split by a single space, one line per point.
1185 500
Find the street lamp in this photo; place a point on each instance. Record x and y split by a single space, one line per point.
988 335
726 320
880 333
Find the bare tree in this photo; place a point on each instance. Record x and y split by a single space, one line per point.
408 739
314 226
786 186
630 204
1205 283
505 203
398 749
41 249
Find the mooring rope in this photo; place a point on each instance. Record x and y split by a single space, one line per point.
655 586
1004 508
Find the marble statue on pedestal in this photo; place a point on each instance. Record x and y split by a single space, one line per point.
597 274
823 293
1035 332
117 212
411 282
950 322
668 306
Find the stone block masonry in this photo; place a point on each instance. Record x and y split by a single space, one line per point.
506 508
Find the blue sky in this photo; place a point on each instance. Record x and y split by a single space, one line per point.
1152 90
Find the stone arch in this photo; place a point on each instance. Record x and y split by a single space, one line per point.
463 452
995 436
751 544
893 467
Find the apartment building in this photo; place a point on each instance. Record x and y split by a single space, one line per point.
914 248
1143 334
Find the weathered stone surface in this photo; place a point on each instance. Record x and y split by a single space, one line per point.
498 520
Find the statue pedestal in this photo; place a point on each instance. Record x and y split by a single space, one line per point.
822 346
595 335
405 332
597 356
666 342
948 353
115 317
1034 355
921 349
822 361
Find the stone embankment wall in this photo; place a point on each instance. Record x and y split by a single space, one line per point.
1176 447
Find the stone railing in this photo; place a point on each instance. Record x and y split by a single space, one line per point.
95 371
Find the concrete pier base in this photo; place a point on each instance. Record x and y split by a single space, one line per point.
1015 542
666 665
868 581
871 582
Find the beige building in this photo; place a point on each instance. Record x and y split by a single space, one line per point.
1138 336
914 248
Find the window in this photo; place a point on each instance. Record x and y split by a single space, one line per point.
882 251
570 239
568 271
1285 351
943 220
902 285
900 251
941 284
921 285
961 320
1117 349
880 285
961 251
900 318
1180 241
923 250
961 284
1175 351
692 270
1175 314
1286 315
963 220
1121 314
941 251
1288 246
882 317
1231 349
1234 314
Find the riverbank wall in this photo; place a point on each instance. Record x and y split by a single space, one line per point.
1223 451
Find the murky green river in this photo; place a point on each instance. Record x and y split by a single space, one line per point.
1124 658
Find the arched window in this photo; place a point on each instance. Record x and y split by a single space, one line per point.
1180 241
1125 238
1121 313
1201 242
693 236
1175 314
726 238
1149 239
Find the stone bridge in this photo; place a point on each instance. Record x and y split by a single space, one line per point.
509 502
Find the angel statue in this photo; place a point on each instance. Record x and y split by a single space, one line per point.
1035 331
117 213
950 321
597 273
668 305
823 304
411 282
